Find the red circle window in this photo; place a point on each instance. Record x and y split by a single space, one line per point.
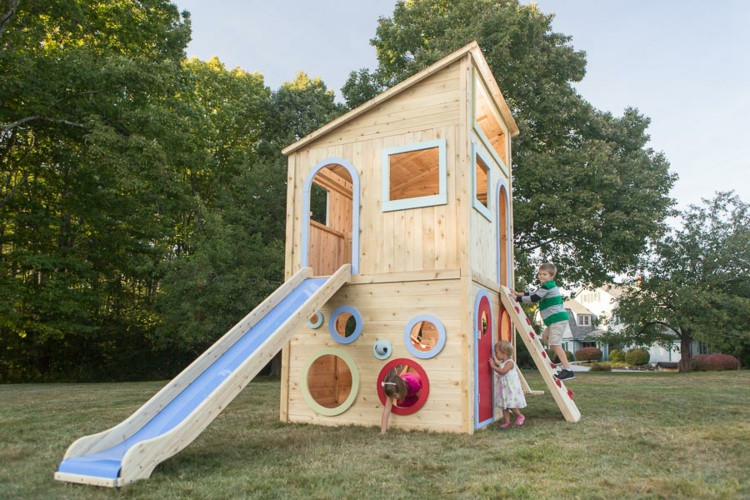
412 366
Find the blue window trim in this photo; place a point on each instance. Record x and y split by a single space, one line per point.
478 128
355 210
486 211
486 143
503 185
477 301
441 198
332 325
441 337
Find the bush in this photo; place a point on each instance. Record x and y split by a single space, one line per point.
668 365
601 367
589 354
714 362
553 356
617 356
637 357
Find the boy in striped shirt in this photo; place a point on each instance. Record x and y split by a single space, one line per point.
553 313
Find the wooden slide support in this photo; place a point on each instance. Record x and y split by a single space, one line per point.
563 396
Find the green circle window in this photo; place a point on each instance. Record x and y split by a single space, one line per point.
316 320
330 382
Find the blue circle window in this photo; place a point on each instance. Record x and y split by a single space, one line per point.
424 336
345 325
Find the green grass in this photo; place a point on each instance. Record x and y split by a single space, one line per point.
642 435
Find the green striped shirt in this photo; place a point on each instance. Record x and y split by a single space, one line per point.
550 303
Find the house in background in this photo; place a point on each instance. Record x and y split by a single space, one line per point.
584 329
590 309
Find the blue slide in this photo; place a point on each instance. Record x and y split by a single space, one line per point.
179 412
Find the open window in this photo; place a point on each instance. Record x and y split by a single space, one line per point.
330 230
345 325
482 180
405 365
414 176
503 230
330 382
424 336
488 123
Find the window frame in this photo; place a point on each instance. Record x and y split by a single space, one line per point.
441 198
486 211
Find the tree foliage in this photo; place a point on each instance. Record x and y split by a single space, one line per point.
141 194
587 191
695 283
90 193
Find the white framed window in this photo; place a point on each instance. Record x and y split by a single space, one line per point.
414 176
584 320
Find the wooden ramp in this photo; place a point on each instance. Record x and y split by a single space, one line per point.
563 396
178 413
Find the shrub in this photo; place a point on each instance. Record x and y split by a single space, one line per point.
589 354
553 356
523 357
714 362
637 357
668 365
601 367
617 356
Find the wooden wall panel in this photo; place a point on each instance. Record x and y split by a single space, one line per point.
329 249
432 103
386 309
483 246
404 240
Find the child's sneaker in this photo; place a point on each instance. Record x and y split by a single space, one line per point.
520 420
505 425
565 375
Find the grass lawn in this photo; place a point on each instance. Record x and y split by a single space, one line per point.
642 435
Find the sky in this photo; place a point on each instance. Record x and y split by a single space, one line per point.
685 64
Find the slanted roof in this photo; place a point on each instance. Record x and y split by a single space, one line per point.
472 50
577 307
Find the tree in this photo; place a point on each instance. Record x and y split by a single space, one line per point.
91 173
233 257
588 193
695 283
223 261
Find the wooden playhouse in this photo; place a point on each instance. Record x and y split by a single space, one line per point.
413 191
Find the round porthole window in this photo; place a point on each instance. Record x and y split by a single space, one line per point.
345 325
330 382
316 320
424 336
411 368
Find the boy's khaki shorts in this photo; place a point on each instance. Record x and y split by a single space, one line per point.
555 332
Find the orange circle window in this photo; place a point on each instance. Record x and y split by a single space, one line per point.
413 370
